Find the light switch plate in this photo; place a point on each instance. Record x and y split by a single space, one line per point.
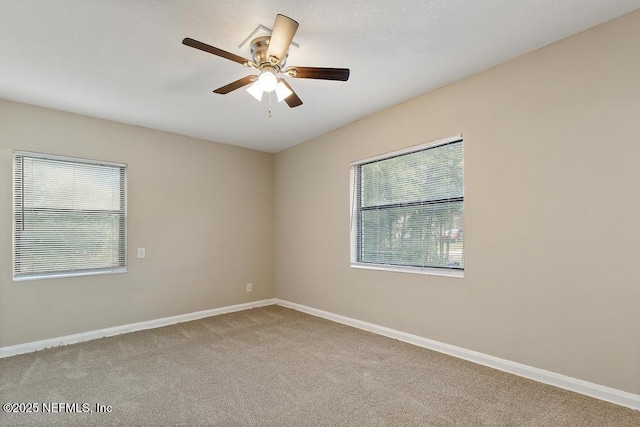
142 253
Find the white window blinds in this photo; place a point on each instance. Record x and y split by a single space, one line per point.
69 216
409 208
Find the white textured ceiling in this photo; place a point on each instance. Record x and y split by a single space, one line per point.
123 60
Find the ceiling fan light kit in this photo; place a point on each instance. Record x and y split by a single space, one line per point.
269 55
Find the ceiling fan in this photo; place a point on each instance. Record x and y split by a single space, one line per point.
269 57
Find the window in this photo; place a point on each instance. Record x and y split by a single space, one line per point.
407 210
69 216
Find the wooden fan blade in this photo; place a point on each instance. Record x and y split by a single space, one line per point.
291 100
283 31
214 50
341 74
235 85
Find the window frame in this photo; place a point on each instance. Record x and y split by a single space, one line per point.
356 210
15 223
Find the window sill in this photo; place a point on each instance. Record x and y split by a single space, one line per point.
413 270
29 277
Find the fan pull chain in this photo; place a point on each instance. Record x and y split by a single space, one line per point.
269 104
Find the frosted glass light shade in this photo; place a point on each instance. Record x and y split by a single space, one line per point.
282 91
256 91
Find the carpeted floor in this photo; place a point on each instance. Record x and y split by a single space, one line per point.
274 366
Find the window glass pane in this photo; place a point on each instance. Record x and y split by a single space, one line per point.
418 236
432 174
66 185
54 241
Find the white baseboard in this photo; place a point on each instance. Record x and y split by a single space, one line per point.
597 391
123 329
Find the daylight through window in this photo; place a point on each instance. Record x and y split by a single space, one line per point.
69 216
407 209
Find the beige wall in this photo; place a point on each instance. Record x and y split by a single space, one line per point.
552 208
204 212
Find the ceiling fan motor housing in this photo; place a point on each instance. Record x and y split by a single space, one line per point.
259 48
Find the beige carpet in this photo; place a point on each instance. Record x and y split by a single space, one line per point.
273 366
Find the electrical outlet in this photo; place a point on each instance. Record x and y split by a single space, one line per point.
249 287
